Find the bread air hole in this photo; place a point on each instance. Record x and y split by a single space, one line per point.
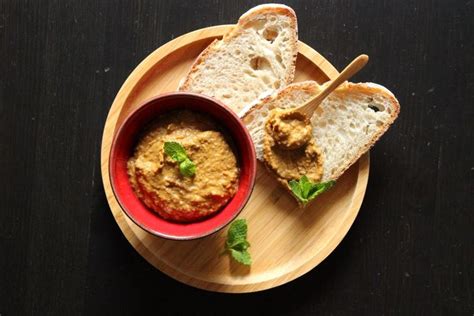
342 107
250 73
376 107
260 63
270 33
266 80
280 60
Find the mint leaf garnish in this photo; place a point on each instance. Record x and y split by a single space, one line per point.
242 257
178 154
175 151
319 188
306 190
187 168
296 189
237 243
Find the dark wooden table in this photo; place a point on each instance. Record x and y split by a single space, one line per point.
409 252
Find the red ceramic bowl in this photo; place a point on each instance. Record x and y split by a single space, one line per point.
123 146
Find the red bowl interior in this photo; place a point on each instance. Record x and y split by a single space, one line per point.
123 146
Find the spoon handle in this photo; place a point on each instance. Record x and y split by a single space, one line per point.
357 64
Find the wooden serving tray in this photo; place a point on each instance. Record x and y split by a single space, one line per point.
286 242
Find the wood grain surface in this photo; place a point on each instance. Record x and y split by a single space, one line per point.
61 252
286 241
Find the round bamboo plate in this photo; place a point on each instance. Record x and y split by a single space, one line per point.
286 242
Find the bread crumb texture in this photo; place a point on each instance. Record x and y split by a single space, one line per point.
257 56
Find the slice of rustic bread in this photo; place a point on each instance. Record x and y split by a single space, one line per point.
257 56
346 124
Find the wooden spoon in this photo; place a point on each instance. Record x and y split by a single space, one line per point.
357 64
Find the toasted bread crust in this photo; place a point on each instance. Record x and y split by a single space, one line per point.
199 60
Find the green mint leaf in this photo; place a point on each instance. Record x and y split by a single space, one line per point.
320 188
242 257
237 243
178 154
296 189
306 190
241 245
187 168
175 151
306 186
237 232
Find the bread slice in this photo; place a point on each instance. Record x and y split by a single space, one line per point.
257 56
346 124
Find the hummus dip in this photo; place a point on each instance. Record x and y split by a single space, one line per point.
289 148
156 178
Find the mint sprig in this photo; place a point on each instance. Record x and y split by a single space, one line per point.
177 152
306 190
237 243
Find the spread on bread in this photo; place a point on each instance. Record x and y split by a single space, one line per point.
251 69
347 123
289 150
290 129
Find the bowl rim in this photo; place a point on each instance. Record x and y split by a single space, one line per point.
253 165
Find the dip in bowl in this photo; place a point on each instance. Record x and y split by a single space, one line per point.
148 184
184 166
